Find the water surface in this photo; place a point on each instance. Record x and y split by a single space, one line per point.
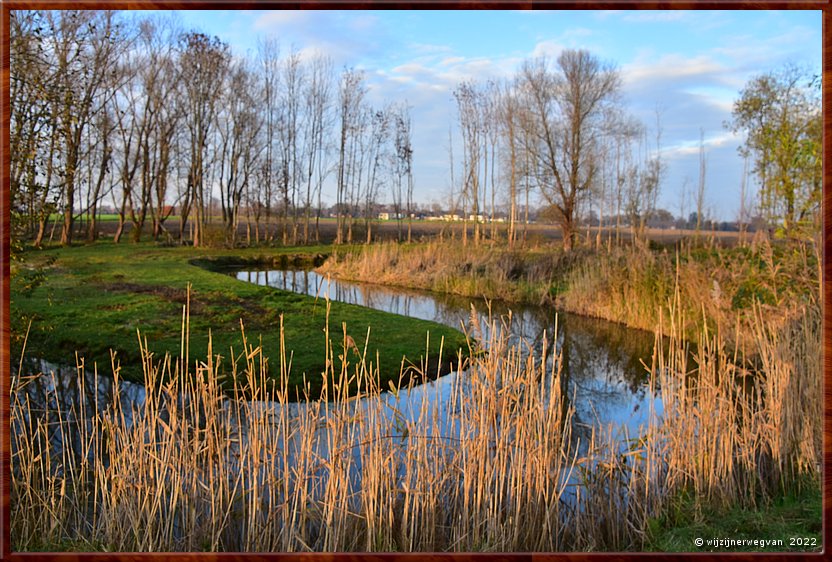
602 360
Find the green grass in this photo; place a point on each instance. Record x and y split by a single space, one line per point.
795 519
92 299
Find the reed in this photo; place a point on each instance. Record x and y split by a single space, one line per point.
483 271
192 468
631 285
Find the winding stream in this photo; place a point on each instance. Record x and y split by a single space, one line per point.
602 360
602 363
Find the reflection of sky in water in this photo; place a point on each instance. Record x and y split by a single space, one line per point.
602 360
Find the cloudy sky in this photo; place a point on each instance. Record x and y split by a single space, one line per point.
689 64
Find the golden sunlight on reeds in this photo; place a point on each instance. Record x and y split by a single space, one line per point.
195 466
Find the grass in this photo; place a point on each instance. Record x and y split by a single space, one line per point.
631 285
93 299
794 519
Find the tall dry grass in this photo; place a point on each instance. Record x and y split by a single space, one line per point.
631 284
446 267
495 467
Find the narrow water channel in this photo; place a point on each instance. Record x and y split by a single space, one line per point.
603 361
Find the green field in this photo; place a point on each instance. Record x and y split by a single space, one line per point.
96 298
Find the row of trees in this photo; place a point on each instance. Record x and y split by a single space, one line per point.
140 114
560 129
557 128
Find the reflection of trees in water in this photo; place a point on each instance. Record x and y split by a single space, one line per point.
602 367
64 402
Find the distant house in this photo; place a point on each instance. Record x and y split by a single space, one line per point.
384 216
167 211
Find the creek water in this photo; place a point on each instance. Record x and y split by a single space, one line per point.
603 361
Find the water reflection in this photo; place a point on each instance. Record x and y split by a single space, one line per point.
603 379
602 361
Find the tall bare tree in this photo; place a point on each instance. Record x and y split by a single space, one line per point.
318 96
34 134
468 99
350 101
239 128
203 63
404 167
567 105
84 45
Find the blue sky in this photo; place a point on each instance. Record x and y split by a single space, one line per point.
690 64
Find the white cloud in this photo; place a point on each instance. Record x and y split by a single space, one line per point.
451 61
363 23
548 48
268 21
428 49
691 147
671 67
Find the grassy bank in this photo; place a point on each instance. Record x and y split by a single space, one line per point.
792 522
93 299
512 477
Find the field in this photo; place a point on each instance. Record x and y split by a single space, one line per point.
99 299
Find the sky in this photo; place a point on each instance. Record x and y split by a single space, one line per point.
688 65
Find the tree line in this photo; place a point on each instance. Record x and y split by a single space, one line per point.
560 129
141 116
148 117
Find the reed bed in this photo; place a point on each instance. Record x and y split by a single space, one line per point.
631 285
494 467
482 271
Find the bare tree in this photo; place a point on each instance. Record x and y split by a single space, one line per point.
350 100
567 107
700 193
239 128
509 126
34 133
292 80
404 167
204 62
470 122
318 94
84 46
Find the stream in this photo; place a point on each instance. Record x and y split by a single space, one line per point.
602 360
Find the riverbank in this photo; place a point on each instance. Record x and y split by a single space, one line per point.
752 315
203 474
92 299
380 479
718 288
